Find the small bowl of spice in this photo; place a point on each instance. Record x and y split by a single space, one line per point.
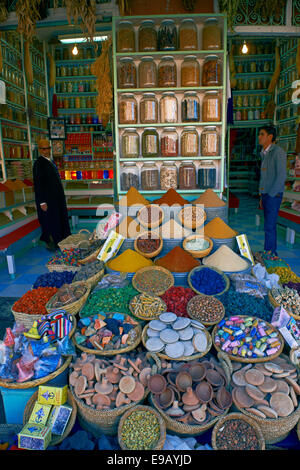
197 245
206 309
148 244
192 216
237 432
150 216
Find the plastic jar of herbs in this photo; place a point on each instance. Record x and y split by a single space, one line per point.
169 142
130 143
207 175
125 37
188 35
167 36
167 72
211 107
211 35
149 109
168 176
147 36
190 71
210 141
189 142
127 73
168 106
190 107
129 176
128 109
211 71
147 73
150 143
187 175
149 176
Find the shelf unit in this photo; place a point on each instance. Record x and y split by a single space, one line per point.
178 57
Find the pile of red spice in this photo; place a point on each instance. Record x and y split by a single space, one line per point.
170 198
34 301
178 261
177 298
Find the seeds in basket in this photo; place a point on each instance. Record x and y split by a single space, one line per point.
89 270
147 306
191 216
206 309
140 430
287 298
148 243
150 214
34 301
152 281
237 434
67 295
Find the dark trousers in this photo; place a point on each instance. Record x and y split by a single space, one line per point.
271 207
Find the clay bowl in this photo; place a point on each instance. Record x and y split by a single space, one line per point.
198 372
157 384
171 377
224 398
183 380
166 398
204 392
137 393
214 378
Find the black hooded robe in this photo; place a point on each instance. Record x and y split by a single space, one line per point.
48 188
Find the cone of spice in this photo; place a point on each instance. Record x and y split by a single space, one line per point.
129 262
217 228
128 228
133 197
171 198
177 260
209 199
226 260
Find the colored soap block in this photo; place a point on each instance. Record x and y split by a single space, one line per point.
40 414
59 419
52 395
34 437
118 316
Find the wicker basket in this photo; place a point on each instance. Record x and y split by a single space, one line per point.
205 323
200 253
93 280
181 358
92 257
160 443
197 223
276 304
62 267
55 439
25 319
249 360
151 224
153 253
197 268
75 307
147 318
140 272
69 244
241 417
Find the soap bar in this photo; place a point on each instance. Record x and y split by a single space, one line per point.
59 419
34 437
52 395
40 414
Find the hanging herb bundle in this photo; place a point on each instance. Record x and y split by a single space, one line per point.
28 14
189 5
233 80
101 69
86 11
230 7
3 11
276 73
269 8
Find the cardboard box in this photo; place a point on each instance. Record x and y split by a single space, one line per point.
34 437
40 414
111 246
52 395
244 247
59 419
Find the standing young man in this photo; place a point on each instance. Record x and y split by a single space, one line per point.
271 185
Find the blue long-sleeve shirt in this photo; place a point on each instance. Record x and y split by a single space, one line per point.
273 171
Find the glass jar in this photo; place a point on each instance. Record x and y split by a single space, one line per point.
211 107
167 36
187 175
125 37
149 109
211 71
168 107
188 35
190 71
147 73
147 36
169 142
127 73
150 143
245 100
210 142
266 66
149 176
168 176
211 35
189 142
207 175
130 143
190 107
238 116
253 66
167 72
129 176
128 109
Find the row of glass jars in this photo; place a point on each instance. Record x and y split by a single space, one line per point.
169 176
254 66
73 70
77 102
249 115
167 109
167 37
253 84
248 100
253 48
86 86
165 74
168 144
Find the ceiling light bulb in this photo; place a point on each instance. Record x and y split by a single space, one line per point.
75 50
244 48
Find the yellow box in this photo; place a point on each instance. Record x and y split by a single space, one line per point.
40 414
52 395
34 437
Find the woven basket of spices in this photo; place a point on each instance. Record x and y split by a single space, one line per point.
62 267
147 307
197 253
277 304
206 309
74 307
90 258
154 280
148 244
55 440
225 278
192 216
76 240
93 280
141 428
150 216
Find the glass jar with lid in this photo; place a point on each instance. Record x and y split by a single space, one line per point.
130 143
189 142
149 176
150 143
211 71
125 37
147 73
190 107
147 36
168 106
190 71
168 176
188 35
167 72
169 142
149 109
210 141
167 36
211 35
127 73
207 175
187 175
211 107
128 113
129 176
